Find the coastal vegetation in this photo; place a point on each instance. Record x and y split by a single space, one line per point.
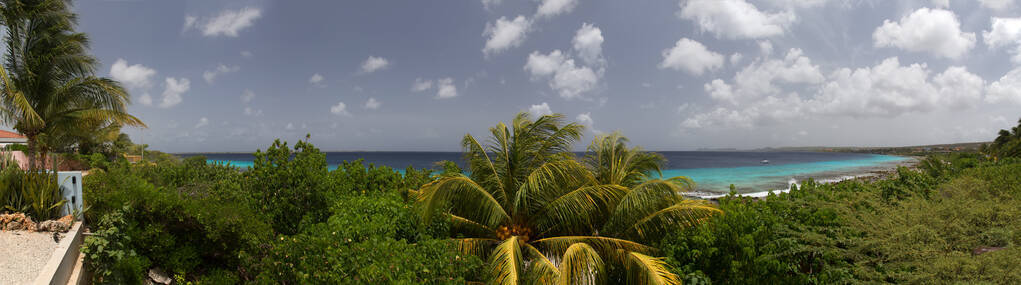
954 218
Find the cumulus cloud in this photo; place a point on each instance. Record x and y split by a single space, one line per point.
568 79
760 78
540 110
372 64
588 43
935 31
133 76
505 34
1006 89
585 119
247 54
227 23
691 56
421 85
175 87
317 80
550 8
890 89
887 89
202 123
340 109
445 88
372 104
210 75
735 19
940 3
1005 33
999 5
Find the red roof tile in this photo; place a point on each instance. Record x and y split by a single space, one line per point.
10 135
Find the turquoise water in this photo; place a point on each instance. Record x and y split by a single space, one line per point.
712 171
771 177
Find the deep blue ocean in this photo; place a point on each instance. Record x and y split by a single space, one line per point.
713 171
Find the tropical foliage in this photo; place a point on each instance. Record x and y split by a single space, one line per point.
539 215
1007 143
50 91
36 194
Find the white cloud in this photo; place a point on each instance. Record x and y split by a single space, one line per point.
372 64
174 88
247 54
445 88
585 119
145 99
189 22
247 96
540 110
133 76
941 3
289 127
760 77
542 65
569 80
997 4
959 88
1006 89
935 31
228 23
550 8
210 75
735 19
489 4
735 58
202 123
690 56
421 85
889 89
588 43
316 80
1005 33
505 34
340 109
372 104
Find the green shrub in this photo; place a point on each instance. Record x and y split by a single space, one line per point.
292 192
37 194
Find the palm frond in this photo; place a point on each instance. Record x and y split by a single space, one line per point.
475 246
606 245
540 269
581 265
580 211
646 270
466 199
643 200
506 263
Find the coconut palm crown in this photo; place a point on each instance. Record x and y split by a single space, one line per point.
49 87
541 216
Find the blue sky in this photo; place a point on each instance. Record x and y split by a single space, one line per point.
671 75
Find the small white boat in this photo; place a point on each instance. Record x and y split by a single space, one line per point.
764 161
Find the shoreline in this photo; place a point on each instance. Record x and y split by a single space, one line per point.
871 173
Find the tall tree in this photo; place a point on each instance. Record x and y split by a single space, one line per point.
541 216
49 82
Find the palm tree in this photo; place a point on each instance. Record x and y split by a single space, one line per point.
49 84
541 216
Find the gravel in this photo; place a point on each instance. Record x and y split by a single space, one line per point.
23 255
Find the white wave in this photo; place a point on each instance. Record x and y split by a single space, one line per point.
762 194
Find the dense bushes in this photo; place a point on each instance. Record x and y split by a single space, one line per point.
286 220
913 228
